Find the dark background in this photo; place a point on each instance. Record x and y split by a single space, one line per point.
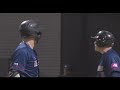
66 40
78 47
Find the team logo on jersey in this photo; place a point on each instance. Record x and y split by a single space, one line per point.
114 65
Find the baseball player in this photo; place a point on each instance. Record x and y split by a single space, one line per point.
109 65
24 61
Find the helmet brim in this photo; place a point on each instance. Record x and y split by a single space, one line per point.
94 37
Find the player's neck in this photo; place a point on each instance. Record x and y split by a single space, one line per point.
104 50
31 43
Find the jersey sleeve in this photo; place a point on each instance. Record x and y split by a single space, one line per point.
113 66
19 60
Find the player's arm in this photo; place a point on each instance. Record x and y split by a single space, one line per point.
17 68
114 67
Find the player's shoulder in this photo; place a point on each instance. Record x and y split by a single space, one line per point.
21 50
113 55
22 47
112 52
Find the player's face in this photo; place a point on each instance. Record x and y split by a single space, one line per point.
96 47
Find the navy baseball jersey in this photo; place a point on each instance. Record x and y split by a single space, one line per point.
109 65
25 61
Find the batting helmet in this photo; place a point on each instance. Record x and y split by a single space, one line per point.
29 28
104 39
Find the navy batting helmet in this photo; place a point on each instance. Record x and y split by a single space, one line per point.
30 28
104 39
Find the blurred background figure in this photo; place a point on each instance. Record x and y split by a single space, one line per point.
67 71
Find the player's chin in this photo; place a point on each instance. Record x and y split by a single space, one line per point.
96 48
